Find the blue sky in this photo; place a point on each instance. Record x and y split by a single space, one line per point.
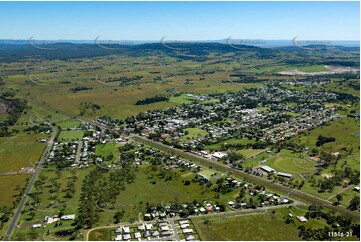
180 20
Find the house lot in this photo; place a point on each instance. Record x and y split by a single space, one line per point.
186 230
144 231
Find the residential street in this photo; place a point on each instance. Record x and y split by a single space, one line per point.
248 177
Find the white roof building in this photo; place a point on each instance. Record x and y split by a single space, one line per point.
267 169
302 219
68 217
184 222
127 237
35 226
126 229
187 231
284 174
219 155
137 235
148 226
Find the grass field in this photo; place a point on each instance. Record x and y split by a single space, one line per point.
106 150
250 152
343 129
255 226
194 133
115 99
8 188
134 198
209 174
247 227
16 151
100 235
51 203
71 135
183 98
289 163
69 123
275 69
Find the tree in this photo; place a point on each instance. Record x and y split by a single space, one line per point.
339 198
58 173
118 216
354 203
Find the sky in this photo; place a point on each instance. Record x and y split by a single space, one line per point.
180 20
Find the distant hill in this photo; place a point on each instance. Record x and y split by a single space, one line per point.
254 42
181 51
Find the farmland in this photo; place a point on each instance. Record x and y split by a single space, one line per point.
10 187
71 135
247 227
223 116
16 152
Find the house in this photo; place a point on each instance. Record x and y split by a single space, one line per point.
118 230
141 227
137 235
183 222
119 237
243 205
68 217
148 226
184 226
219 155
267 169
302 219
35 226
127 237
146 234
187 231
287 175
164 228
357 189
162 224
190 237
126 230
155 234
52 220
209 208
165 233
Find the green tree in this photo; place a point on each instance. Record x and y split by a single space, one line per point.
339 198
354 203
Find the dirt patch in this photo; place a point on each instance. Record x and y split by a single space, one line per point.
26 170
331 70
314 158
3 108
327 175
97 234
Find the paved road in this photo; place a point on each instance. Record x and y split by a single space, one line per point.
175 233
78 152
23 200
251 178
